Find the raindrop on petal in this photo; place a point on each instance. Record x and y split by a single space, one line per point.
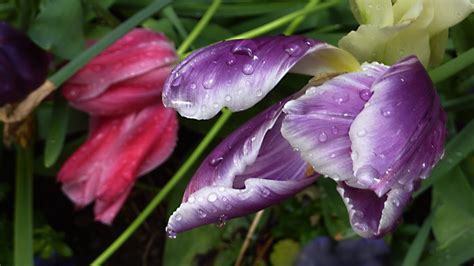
365 94
248 69
170 233
202 214
212 197
323 137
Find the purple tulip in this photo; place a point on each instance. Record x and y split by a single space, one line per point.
23 65
376 130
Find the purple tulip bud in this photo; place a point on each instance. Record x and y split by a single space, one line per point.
23 65
376 130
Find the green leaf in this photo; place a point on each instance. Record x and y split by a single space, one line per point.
416 249
457 149
163 25
335 214
57 131
183 249
462 34
58 28
454 189
285 252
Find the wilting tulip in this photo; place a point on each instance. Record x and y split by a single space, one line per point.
376 130
323 251
23 65
391 30
131 132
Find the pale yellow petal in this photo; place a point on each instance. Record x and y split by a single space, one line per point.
327 61
449 13
438 44
373 12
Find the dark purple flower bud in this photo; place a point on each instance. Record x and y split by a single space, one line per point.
23 65
323 251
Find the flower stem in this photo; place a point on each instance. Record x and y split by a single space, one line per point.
199 27
166 189
23 217
72 67
452 67
284 20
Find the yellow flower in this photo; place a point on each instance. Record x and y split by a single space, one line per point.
393 29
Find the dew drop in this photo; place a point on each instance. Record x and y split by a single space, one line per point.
334 130
323 137
230 61
177 80
354 155
215 105
265 192
309 42
333 155
228 98
396 202
259 93
365 94
386 112
212 197
191 199
221 220
245 47
208 82
366 175
170 233
341 98
216 161
423 165
178 217
248 69
202 214
362 133
361 227
293 49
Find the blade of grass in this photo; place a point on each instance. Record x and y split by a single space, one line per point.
23 214
57 131
297 21
416 249
169 13
452 67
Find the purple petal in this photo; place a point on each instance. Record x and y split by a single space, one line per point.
317 123
251 169
400 133
239 73
372 216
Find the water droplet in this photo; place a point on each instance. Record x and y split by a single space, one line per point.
293 49
386 112
192 86
334 130
212 197
202 214
366 175
333 155
191 199
309 42
354 155
215 105
208 82
265 192
402 79
245 47
341 98
361 227
248 69
423 165
362 133
177 80
296 149
365 94
178 217
323 137
228 98
224 199
396 202
259 93
221 220
170 232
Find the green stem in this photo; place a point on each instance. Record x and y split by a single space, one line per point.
169 13
297 21
165 190
283 20
72 67
416 249
199 27
23 217
452 67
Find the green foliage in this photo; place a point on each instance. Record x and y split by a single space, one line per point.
285 252
48 242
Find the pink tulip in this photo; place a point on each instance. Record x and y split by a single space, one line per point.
131 132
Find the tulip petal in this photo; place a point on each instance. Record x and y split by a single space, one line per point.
138 52
126 96
106 166
239 73
402 115
317 123
372 216
251 169
449 15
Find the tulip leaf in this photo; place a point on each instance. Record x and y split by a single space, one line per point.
456 150
58 27
335 214
57 131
